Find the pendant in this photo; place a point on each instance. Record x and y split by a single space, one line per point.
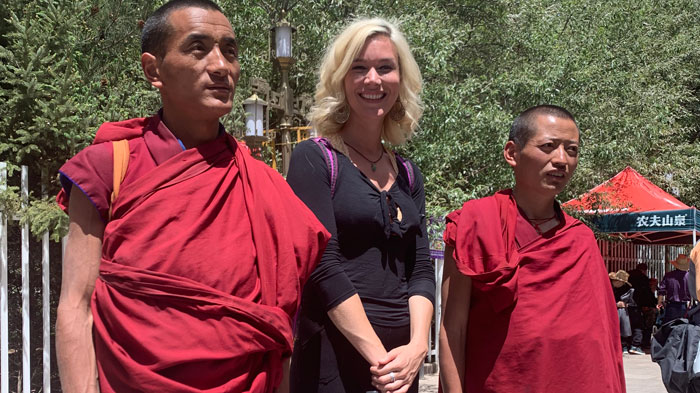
374 167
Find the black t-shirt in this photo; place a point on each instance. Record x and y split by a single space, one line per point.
371 253
643 295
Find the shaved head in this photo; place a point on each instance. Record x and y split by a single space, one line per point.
523 127
157 30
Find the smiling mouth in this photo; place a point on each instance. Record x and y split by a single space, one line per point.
372 96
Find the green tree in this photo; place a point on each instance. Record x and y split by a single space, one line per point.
627 70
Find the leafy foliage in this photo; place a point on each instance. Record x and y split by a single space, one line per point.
628 70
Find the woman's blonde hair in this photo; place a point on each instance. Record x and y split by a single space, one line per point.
330 97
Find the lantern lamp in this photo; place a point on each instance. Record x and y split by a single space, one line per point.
254 116
283 39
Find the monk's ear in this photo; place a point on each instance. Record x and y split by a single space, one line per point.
149 64
510 153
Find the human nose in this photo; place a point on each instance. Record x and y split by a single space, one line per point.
372 77
217 62
559 156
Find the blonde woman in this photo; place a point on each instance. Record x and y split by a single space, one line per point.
367 309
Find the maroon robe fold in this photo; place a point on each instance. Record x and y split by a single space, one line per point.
167 317
150 144
542 316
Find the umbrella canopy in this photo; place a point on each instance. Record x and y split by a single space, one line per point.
626 192
630 204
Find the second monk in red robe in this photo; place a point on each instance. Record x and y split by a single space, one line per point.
527 304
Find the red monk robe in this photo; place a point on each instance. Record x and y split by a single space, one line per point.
202 267
542 316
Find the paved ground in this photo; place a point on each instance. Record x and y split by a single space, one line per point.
642 375
428 384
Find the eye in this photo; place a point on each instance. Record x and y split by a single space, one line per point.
197 47
573 150
358 67
547 147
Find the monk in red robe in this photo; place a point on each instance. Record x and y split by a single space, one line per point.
189 279
527 304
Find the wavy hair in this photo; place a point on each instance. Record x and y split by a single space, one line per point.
330 92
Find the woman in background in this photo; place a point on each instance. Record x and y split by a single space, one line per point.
624 298
367 308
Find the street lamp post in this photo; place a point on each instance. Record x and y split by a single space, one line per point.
282 100
283 55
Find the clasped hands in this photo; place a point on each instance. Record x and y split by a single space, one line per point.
397 370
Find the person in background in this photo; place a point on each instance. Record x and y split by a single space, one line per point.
366 313
624 299
674 294
643 314
695 257
654 286
527 303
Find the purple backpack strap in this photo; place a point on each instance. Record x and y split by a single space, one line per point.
331 158
409 170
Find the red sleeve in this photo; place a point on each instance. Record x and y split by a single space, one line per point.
450 234
91 172
482 234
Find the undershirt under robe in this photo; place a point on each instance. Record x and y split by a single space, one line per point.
542 316
201 269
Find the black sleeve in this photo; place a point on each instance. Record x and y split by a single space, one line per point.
308 176
422 280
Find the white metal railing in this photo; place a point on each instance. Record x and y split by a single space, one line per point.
4 326
626 256
25 293
433 346
434 332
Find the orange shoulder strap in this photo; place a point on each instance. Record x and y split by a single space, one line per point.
121 162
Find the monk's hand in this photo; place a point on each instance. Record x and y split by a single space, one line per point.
396 372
